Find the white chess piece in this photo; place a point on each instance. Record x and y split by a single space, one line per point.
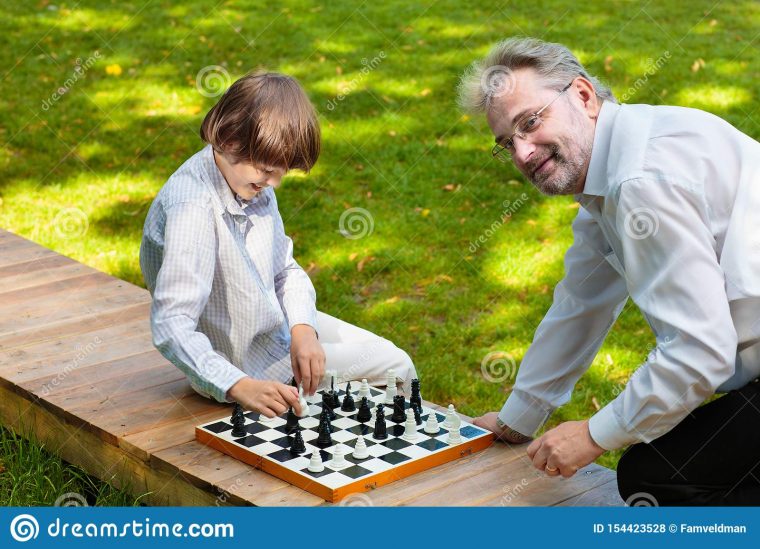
338 457
364 390
390 388
450 413
455 436
410 426
303 403
360 450
431 425
315 463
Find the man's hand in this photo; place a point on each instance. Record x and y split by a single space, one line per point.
564 449
506 434
307 357
268 397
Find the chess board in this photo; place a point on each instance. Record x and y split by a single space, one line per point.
266 446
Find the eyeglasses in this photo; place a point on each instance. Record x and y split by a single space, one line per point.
528 124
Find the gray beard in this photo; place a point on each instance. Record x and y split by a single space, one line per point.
569 167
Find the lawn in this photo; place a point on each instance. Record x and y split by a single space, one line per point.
460 254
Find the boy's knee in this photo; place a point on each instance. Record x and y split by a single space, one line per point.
635 479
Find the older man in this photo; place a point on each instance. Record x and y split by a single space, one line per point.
669 202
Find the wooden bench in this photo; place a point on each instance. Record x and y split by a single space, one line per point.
78 372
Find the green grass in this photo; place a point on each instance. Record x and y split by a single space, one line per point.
79 176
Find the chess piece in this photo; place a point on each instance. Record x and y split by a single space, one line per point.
410 426
323 438
381 430
338 457
417 410
348 401
324 416
455 436
238 421
298 447
416 398
303 402
327 406
450 413
291 422
399 403
335 400
390 387
363 389
360 450
315 463
365 414
431 425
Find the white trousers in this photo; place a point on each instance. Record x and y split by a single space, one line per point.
359 354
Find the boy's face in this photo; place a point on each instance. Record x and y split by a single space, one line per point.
248 180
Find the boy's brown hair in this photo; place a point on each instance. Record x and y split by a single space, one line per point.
265 118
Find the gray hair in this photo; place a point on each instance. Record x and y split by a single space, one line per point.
491 76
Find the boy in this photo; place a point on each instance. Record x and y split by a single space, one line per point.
231 307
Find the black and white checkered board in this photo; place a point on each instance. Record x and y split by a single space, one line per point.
267 438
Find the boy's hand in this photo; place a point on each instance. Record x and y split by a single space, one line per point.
307 357
268 397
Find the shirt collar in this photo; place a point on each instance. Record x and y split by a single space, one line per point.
596 177
231 201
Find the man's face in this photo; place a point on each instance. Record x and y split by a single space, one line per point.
248 180
555 157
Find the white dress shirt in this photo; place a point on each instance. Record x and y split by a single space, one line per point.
225 286
670 216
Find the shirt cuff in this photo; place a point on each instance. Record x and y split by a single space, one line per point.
224 382
302 315
523 414
607 431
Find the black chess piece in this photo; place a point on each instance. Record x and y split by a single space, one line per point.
334 395
364 414
291 422
327 406
324 439
238 422
348 401
381 431
324 416
417 414
298 446
416 398
399 415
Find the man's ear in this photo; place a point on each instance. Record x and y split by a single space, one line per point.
584 90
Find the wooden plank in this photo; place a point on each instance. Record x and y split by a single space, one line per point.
41 271
602 495
67 288
21 253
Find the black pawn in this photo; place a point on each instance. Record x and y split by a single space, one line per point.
334 395
238 422
416 398
325 416
291 423
399 415
298 446
365 414
348 401
324 439
417 414
381 431
327 406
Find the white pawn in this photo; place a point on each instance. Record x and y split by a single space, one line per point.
363 390
303 403
315 463
410 427
338 457
450 413
360 450
431 425
390 388
455 436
